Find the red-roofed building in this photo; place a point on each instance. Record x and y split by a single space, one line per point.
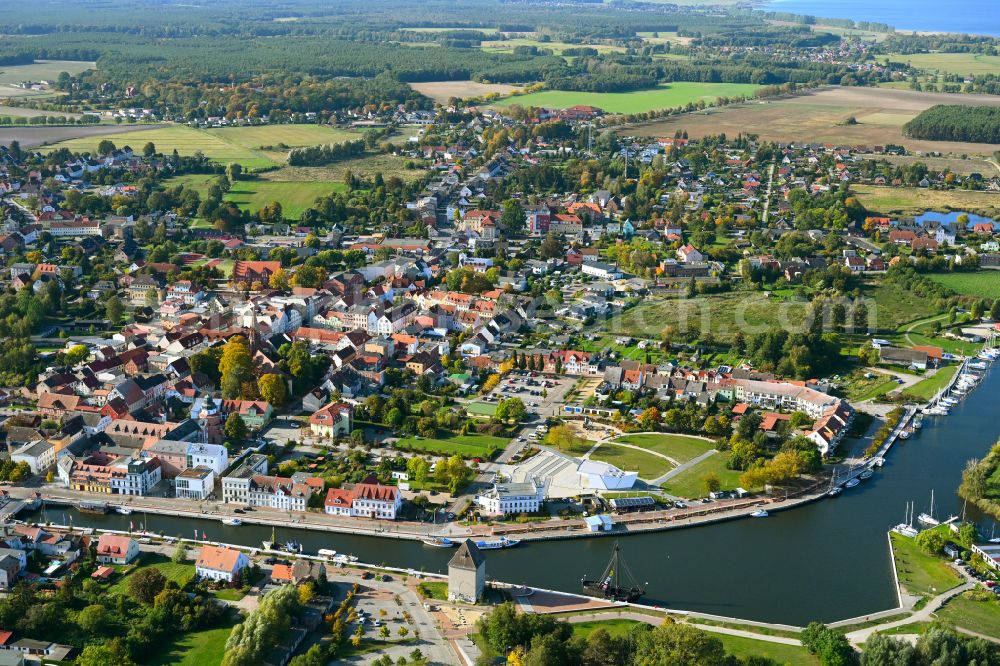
116 549
368 499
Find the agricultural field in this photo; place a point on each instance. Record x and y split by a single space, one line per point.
254 193
916 200
40 70
185 140
955 164
32 137
690 482
636 101
721 314
679 447
485 31
442 91
24 112
951 63
292 136
819 116
663 38
984 284
507 46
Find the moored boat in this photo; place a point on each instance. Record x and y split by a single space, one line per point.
232 522
867 474
495 544
609 585
759 513
438 542
852 483
123 510
94 507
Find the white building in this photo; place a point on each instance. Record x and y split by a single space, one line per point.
116 549
369 499
506 498
216 563
195 483
601 270
40 455
604 476
213 456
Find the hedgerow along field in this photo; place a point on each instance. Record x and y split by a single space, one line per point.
665 96
951 63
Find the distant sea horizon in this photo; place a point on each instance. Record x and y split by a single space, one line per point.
966 16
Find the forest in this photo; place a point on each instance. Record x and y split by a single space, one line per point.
952 122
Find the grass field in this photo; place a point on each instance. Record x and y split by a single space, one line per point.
921 574
955 164
984 284
722 314
858 388
895 306
40 70
613 627
951 63
928 388
253 193
433 590
195 649
180 573
631 460
794 655
662 97
293 136
819 117
689 483
663 38
679 447
982 617
185 140
918 200
467 446
19 111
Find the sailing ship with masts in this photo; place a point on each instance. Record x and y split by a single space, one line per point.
610 586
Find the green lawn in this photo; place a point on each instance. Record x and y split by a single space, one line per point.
858 388
965 611
921 574
179 573
795 655
928 388
197 648
435 590
664 96
984 284
689 483
266 138
648 465
895 306
613 627
228 594
679 447
467 446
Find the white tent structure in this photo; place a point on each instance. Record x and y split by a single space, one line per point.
598 475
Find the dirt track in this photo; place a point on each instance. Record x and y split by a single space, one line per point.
30 137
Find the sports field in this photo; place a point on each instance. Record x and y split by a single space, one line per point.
984 284
951 63
820 116
665 96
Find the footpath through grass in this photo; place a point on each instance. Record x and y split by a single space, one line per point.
691 482
646 464
974 611
681 448
919 573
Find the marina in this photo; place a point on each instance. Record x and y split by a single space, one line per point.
700 576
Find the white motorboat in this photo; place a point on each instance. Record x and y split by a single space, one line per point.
904 434
232 522
439 542
123 510
760 513
852 483
327 553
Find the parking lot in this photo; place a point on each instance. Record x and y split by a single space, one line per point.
542 394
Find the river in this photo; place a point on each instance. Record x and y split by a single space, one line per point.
824 561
